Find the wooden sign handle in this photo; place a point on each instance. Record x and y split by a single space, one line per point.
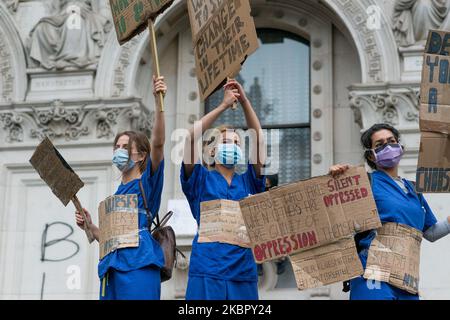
154 48
78 206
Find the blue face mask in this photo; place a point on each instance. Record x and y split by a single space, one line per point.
120 160
228 154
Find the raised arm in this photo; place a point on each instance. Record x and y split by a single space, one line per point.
258 154
159 128
205 123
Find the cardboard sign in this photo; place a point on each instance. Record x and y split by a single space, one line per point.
331 263
118 223
221 221
131 16
394 257
224 34
307 214
55 171
433 174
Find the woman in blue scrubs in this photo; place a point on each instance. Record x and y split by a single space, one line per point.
396 202
221 271
134 273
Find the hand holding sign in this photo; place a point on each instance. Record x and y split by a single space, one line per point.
59 176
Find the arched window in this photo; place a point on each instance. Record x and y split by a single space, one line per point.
276 79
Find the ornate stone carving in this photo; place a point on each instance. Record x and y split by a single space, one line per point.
71 122
12 123
122 65
6 71
412 19
73 37
358 16
12 5
396 106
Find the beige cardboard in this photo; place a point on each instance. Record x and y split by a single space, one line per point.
118 223
55 171
307 214
131 16
328 264
433 173
221 221
394 257
433 170
224 34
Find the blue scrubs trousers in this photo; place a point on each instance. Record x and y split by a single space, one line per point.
363 289
140 284
204 288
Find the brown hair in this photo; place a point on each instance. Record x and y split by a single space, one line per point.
142 146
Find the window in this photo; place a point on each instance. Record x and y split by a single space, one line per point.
276 79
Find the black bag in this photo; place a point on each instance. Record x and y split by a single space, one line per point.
166 238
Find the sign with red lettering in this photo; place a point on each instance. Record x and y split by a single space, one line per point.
223 34
433 172
308 214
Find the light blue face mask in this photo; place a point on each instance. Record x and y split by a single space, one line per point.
228 154
120 160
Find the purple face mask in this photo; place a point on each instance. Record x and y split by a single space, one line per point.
388 155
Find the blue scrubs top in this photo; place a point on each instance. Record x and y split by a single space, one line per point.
394 205
149 251
220 260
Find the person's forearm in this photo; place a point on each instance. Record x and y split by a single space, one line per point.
159 128
95 231
196 132
437 231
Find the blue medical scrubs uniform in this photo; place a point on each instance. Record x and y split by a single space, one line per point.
220 271
394 205
134 273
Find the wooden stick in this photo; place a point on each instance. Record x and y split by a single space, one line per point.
154 48
78 206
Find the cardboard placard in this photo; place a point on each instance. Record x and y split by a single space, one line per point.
331 263
224 34
131 16
221 221
118 217
433 173
55 171
307 214
394 257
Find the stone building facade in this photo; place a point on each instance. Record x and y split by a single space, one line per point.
63 74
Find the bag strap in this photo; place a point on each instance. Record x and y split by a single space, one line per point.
149 215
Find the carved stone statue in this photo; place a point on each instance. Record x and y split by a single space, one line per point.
12 5
413 19
74 37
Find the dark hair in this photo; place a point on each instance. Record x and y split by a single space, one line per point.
142 146
273 180
366 140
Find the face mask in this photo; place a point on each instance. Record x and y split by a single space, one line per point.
228 154
120 160
388 155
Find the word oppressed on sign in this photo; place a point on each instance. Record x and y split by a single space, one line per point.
307 214
221 221
131 16
118 223
394 257
224 34
433 174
